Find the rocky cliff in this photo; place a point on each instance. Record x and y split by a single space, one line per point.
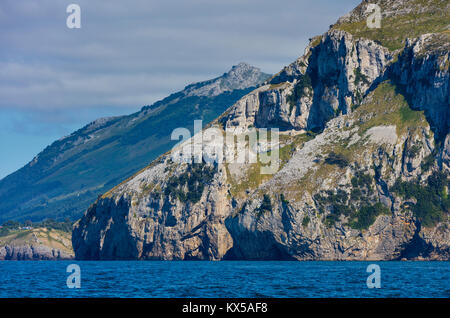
36 244
363 149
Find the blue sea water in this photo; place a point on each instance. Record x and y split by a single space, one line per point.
223 279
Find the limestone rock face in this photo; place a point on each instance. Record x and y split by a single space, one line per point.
36 244
334 73
422 72
446 153
281 233
156 226
32 253
342 70
363 172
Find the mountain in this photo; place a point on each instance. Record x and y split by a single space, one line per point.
364 159
66 177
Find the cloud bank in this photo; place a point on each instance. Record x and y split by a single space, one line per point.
130 53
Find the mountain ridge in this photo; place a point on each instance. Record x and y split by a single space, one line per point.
66 176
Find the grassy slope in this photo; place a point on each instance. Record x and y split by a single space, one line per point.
384 106
395 29
253 178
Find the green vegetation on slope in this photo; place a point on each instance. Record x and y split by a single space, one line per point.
361 208
304 85
11 226
432 201
252 177
189 185
367 215
420 17
387 106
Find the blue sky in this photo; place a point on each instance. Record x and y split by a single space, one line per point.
54 80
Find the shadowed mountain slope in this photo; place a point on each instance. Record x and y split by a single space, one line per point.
67 176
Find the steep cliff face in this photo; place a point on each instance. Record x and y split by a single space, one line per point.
363 162
149 222
332 76
336 198
422 72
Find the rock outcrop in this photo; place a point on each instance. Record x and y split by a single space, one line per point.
333 75
32 253
422 73
363 147
36 244
240 77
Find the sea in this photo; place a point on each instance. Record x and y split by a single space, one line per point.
224 279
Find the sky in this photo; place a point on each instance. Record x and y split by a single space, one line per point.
127 54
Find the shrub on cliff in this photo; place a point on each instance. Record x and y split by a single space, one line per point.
432 201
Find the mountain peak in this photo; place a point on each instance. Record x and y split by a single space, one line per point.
240 76
242 66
